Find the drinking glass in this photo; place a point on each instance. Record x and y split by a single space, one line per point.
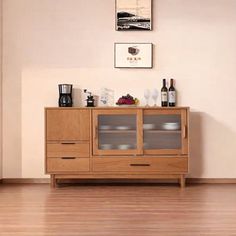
155 96
147 96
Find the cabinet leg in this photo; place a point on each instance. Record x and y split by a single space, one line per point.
53 181
182 181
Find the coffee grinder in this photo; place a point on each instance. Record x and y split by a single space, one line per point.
90 100
65 95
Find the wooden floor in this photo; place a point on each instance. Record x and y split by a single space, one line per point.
135 210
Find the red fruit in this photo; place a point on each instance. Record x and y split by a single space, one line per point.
126 100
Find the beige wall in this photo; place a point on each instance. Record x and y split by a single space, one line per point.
47 42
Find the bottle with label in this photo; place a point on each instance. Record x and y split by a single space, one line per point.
164 94
172 94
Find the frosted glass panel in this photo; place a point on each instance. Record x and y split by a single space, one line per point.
163 122
162 140
162 132
117 132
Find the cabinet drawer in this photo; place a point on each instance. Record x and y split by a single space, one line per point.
67 164
68 150
159 164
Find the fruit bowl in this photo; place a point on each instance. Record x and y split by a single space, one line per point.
127 100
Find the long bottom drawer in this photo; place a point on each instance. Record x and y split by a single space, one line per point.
67 164
159 164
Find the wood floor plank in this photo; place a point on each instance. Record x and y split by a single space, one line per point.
119 210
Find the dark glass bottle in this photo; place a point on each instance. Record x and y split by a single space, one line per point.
164 94
172 94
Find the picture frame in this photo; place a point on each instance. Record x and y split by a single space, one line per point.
133 15
133 55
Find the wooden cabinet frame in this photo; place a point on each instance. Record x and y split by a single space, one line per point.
73 153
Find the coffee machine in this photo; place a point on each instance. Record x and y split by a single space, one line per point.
65 95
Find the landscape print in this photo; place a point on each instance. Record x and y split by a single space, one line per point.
133 14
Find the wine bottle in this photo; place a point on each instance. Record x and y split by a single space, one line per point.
172 94
164 94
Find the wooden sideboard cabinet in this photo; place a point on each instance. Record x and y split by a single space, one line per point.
117 143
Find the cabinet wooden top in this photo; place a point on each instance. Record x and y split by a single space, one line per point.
119 107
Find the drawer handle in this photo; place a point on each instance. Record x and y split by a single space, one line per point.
68 158
67 143
140 165
184 132
96 132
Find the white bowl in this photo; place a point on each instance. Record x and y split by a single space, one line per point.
124 146
149 126
105 127
171 126
107 146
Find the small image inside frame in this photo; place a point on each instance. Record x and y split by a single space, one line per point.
133 55
133 15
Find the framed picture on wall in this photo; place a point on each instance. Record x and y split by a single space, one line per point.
133 15
133 55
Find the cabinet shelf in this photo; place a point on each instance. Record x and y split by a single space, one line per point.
117 131
163 131
134 131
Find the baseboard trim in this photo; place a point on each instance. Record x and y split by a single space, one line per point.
26 181
211 180
188 180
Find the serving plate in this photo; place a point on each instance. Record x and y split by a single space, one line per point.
107 146
124 146
123 127
126 105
